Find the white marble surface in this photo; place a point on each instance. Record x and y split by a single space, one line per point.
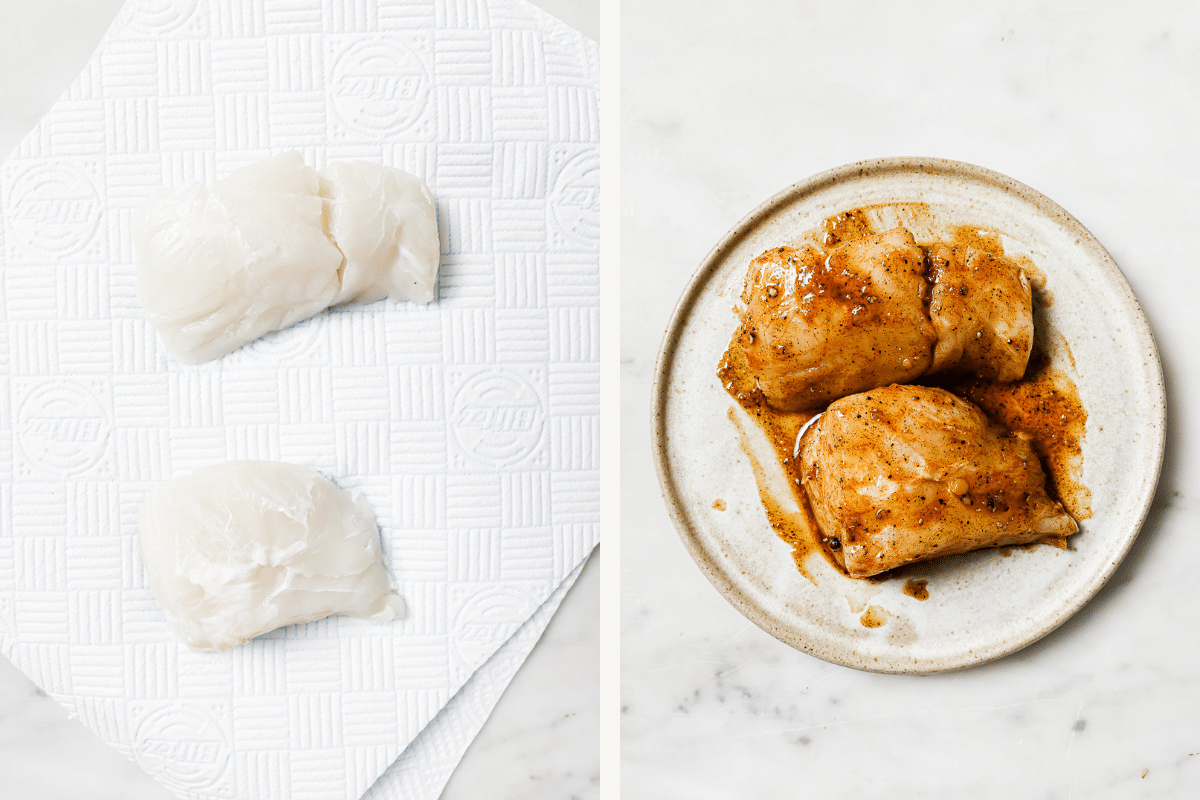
731 102
541 741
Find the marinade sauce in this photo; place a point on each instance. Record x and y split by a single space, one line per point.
781 428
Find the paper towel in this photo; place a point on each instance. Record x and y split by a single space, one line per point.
470 424
422 771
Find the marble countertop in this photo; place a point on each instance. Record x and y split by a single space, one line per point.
540 741
728 104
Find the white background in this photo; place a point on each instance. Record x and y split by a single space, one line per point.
1097 106
542 740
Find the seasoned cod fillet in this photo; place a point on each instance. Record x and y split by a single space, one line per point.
905 473
982 310
820 326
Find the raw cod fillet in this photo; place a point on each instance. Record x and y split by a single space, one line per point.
220 266
384 222
275 243
239 549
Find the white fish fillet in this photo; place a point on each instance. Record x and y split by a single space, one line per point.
239 549
383 220
221 266
258 251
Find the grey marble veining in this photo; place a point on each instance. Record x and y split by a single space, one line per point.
1099 111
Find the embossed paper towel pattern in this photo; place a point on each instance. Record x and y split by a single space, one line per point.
470 424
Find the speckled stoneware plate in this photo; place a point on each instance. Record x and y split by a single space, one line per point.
982 605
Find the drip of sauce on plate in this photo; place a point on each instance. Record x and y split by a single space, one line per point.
846 226
1044 404
797 527
979 238
780 427
918 589
866 220
874 617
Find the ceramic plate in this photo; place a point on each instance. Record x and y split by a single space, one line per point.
982 605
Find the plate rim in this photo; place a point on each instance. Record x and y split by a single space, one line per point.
710 264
